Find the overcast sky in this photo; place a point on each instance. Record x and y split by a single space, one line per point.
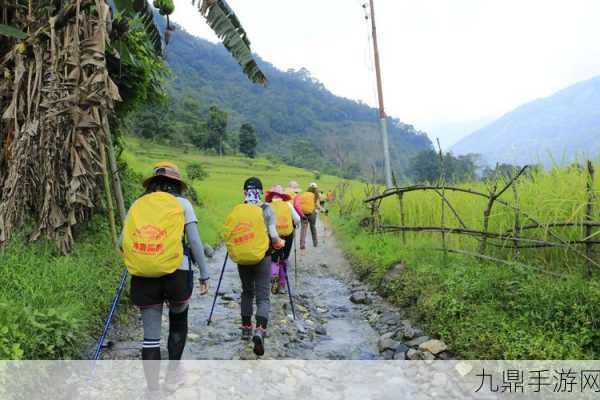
449 66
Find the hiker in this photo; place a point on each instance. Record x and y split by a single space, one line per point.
309 201
287 221
330 197
250 233
160 242
322 200
293 190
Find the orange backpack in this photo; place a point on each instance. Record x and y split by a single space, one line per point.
307 202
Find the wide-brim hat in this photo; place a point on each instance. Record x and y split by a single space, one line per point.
293 186
166 169
277 190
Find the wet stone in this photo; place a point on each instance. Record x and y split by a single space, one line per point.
388 354
400 356
366 355
360 298
418 341
320 330
433 346
413 354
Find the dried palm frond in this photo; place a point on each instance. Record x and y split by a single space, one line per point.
52 124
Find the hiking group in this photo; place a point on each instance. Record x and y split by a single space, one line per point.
160 244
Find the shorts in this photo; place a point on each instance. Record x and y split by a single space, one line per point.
174 288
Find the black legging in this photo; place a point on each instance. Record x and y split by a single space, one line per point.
284 253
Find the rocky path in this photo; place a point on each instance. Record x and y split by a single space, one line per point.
337 317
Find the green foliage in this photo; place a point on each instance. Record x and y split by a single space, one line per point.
165 7
216 125
49 305
248 140
317 175
296 118
135 66
425 167
12 32
196 172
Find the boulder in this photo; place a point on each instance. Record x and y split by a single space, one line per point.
401 348
386 342
433 346
428 356
360 298
320 330
414 355
418 341
388 354
400 356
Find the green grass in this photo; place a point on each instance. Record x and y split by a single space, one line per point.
51 305
484 310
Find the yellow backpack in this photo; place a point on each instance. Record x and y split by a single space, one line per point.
283 213
307 202
152 235
245 234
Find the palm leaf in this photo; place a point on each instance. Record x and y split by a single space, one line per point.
142 9
226 25
7 30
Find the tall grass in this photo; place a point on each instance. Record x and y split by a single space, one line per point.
481 309
52 305
558 195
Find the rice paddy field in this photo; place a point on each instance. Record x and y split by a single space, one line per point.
487 309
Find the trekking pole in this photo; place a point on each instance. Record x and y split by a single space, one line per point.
107 323
295 263
217 291
289 287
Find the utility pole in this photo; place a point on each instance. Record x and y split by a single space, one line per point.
382 116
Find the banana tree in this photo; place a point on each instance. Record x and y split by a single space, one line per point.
58 97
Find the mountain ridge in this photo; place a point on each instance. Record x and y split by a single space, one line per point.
294 108
557 129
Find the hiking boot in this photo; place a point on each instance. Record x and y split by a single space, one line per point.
259 341
174 379
246 332
152 394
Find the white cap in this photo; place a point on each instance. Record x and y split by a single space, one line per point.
313 185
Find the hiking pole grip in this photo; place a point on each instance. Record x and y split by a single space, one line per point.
107 323
212 309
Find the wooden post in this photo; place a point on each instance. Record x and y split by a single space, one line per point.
442 183
109 200
402 216
589 216
517 225
114 171
488 211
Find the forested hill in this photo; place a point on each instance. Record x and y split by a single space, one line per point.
295 116
561 128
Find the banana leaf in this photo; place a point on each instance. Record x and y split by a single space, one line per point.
223 21
12 32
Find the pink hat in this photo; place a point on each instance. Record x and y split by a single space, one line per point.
276 191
